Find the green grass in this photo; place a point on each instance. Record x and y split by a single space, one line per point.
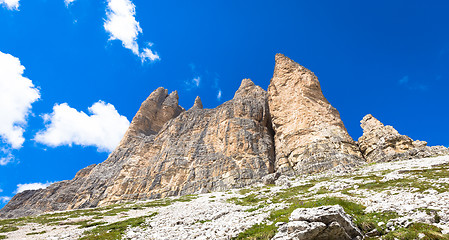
2 237
365 221
114 230
431 233
249 200
289 193
36 233
8 228
255 208
405 183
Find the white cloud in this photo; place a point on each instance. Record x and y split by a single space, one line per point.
68 2
219 95
4 199
149 54
10 4
6 158
66 126
17 93
122 25
196 81
31 186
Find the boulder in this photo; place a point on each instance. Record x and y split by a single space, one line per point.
320 223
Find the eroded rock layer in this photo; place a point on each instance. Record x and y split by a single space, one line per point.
168 151
310 136
380 143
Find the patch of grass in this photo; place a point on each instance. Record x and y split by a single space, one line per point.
248 190
91 224
368 178
431 233
2 237
8 228
286 194
251 199
419 185
114 230
259 232
255 208
36 233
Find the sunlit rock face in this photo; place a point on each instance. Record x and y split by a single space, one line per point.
380 143
309 134
168 151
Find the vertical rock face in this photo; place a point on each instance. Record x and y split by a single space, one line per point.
202 150
168 151
381 143
309 134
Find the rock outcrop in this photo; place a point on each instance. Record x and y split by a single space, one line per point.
309 134
168 151
326 223
380 143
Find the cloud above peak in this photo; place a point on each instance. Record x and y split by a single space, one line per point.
122 25
17 93
104 128
10 4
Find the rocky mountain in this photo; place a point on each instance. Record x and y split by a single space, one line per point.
291 129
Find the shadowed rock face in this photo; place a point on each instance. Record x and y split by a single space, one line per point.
310 136
168 151
381 143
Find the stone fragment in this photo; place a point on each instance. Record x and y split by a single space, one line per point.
309 134
380 143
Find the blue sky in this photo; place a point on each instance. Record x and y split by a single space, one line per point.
73 73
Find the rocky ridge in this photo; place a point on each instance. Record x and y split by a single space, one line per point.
259 135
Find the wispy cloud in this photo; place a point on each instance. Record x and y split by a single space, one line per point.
411 85
104 128
10 4
5 156
4 199
68 2
31 186
219 95
121 24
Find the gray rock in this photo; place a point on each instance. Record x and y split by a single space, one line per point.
270 178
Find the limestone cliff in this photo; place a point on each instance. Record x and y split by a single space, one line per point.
381 143
168 151
310 136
